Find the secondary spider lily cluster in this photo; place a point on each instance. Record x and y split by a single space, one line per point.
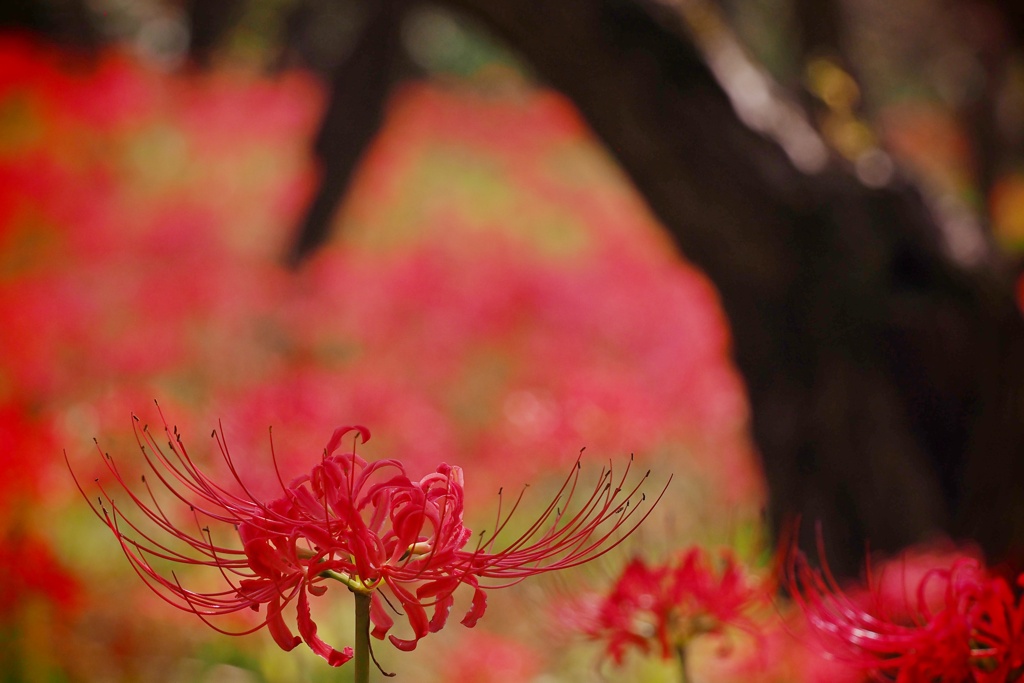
959 624
368 526
658 609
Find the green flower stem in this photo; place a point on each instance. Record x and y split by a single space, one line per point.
362 648
684 669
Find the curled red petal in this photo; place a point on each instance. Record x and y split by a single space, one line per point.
382 621
416 615
476 609
307 629
278 629
441 611
403 644
264 560
443 591
364 435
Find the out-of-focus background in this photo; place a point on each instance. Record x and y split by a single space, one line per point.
306 213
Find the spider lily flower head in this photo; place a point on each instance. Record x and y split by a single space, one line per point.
958 625
365 525
662 607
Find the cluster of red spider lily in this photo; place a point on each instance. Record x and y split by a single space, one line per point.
364 524
662 607
963 625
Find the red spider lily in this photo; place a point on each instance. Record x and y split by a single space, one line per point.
973 632
365 525
664 606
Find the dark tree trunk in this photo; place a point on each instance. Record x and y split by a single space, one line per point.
360 84
208 23
69 22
